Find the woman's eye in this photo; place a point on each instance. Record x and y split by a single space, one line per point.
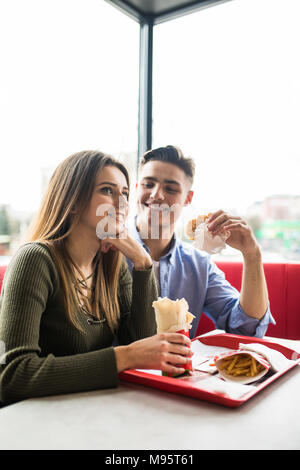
106 190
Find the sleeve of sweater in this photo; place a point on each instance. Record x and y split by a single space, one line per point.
136 295
24 373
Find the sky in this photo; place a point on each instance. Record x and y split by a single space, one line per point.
67 84
226 90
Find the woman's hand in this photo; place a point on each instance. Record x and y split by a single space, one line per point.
163 351
130 248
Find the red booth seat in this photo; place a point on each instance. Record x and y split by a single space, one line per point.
2 272
283 280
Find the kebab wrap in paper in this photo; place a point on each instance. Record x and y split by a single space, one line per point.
172 316
197 230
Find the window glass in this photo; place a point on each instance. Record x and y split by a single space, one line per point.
68 82
226 90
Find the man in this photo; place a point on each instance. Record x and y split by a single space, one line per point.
163 190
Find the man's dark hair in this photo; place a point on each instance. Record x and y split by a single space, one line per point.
170 154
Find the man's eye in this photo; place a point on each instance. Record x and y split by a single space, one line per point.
171 190
126 195
148 185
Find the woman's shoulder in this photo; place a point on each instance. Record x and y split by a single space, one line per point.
34 257
33 250
31 267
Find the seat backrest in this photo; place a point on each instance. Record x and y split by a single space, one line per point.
283 281
293 300
2 272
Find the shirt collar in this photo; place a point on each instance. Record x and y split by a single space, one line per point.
172 251
170 256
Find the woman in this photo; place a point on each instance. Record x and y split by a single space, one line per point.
67 294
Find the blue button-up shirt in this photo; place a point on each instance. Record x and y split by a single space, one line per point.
185 272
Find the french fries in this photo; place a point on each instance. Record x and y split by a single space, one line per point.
241 364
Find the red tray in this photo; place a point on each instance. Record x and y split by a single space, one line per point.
226 340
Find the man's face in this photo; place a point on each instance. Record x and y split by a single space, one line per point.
163 190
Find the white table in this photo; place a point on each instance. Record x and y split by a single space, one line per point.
136 417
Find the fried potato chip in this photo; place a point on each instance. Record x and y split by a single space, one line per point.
241 364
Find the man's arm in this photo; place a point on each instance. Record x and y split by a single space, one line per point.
254 294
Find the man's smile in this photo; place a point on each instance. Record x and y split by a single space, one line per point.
154 206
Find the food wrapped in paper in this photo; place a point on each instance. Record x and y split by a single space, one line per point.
193 224
242 366
172 316
197 230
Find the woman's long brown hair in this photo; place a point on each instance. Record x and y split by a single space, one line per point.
71 186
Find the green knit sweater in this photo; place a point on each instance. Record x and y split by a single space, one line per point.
44 353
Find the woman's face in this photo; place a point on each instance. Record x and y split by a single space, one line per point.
108 207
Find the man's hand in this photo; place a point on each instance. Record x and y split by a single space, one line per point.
241 235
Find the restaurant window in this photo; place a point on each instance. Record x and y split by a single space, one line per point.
69 82
226 90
